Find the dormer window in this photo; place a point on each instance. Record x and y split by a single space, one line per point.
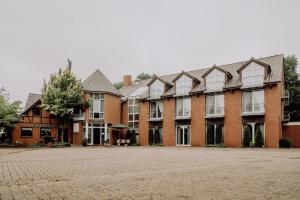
253 75
156 89
183 85
215 80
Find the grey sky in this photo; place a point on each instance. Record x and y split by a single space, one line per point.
132 36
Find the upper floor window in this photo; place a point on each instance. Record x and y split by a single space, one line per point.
253 75
215 80
184 85
156 89
156 109
183 107
133 113
215 104
96 109
36 111
253 101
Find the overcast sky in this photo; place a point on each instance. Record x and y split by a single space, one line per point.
133 36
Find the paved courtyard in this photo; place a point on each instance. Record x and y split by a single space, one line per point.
149 173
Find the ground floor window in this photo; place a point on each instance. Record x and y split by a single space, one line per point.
26 132
214 134
95 133
253 129
157 135
183 135
45 131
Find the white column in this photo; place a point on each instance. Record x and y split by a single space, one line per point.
105 131
86 129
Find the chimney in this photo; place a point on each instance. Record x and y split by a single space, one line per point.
127 80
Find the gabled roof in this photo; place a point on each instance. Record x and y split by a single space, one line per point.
218 68
155 77
32 99
97 82
267 66
187 74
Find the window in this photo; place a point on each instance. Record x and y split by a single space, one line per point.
133 113
36 111
253 128
253 75
156 109
183 85
156 89
253 102
215 104
215 80
96 106
183 107
45 131
26 132
215 134
183 135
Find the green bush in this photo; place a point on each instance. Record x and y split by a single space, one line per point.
84 141
133 137
252 144
285 143
48 139
259 140
247 136
128 135
157 136
150 137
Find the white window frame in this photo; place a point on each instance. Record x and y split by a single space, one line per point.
156 109
215 133
215 80
190 135
253 75
156 89
101 105
252 124
135 122
91 127
184 85
186 110
215 97
261 104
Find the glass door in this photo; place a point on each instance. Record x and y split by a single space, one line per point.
183 135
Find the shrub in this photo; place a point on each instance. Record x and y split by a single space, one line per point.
133 137
156 136
48 139
150 137
247 136
128 135
285 143
259 140
252 144
84 141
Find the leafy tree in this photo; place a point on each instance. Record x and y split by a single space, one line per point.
247 136
144 76
157 136
9 114
118 85
259 140
150 137
62 93
292 84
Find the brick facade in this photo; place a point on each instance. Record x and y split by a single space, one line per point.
169 131
198 120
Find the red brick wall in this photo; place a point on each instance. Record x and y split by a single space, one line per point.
293 133
273 115
198 120
144 124
233 120
112 109
124 116
169 122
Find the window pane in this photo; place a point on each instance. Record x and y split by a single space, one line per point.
247 101
210 104
210 138
130 118
179 106
45 131
26 132
136 117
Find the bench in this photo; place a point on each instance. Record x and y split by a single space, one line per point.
124 142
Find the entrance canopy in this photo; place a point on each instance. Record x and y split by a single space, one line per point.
118 126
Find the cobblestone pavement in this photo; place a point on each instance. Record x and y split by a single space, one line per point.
149 173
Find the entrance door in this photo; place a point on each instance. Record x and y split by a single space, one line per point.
65 136
96 136
183 135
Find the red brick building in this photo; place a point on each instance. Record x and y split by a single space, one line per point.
210 106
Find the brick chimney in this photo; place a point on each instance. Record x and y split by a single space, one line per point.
127 80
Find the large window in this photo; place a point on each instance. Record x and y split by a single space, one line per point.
183 135
133 113
156 109
183 85
215 104
215 80
252 127
156 89
26 132
45 131
183 107
253 75
96 106
253 101
215 134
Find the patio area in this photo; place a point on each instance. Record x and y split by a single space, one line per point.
149 173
